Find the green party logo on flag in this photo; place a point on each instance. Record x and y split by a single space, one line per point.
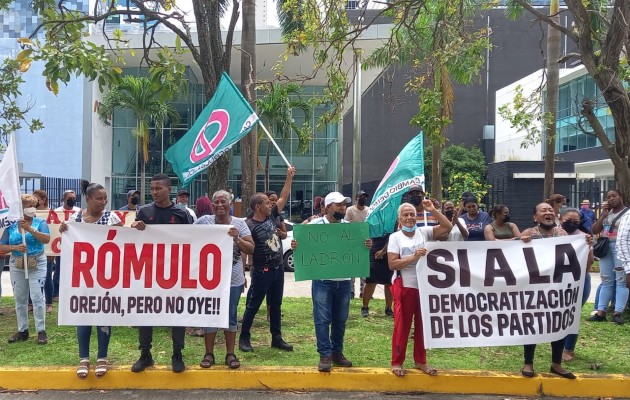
406 170
226 119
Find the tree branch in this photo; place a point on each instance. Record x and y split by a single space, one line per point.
543 17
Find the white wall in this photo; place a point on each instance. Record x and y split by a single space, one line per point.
507 139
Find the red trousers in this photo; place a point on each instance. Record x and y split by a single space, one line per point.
406 309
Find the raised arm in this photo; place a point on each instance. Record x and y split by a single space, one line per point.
286 189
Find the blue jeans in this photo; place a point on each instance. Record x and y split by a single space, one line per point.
613 281
570 340
235 296
34 286
103 334
331 304
266 282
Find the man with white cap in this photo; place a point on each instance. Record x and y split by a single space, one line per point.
588 215
133 198
331 297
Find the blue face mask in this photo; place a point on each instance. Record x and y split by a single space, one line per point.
409 229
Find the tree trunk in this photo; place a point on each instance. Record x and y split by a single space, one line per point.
249 154
436 171
553 78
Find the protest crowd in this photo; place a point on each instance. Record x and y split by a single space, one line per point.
257 241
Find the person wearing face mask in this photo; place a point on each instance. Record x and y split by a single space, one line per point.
404 249
331 297
358 213
570 221
37 234
476 221
133 199
69 203
415 195
459 232
68 207
182 202
501 228
545 219
587 215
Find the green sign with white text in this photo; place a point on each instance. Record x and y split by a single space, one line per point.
327 251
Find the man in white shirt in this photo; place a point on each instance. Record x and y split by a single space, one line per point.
331 297
69 201
623 245
182 200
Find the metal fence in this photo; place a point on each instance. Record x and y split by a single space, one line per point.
55 188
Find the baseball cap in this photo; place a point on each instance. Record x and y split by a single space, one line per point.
132 192
336 197
183 192
362 193
415 188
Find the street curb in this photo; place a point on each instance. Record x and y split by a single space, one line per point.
308 379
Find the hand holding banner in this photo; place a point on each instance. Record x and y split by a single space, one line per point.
166 275
328 251
501 293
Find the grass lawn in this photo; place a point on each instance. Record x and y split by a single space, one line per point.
367 344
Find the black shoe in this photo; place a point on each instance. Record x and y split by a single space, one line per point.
617 319
528 374
177 363
245 345
566 375
145 360
279 343
389 312
365 312
19 337
597 318
325 364
340 360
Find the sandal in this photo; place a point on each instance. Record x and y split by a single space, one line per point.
426 369
83 368
208 361
398 370
101 367
231 361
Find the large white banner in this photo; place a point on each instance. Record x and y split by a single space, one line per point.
166 275
501 293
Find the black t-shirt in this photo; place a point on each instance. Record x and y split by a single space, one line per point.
268 246
152 214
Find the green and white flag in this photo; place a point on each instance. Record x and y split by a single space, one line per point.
406 170
226 119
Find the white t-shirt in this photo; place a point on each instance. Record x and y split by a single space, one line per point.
406 246
455 235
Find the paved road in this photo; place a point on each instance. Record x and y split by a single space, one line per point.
240 395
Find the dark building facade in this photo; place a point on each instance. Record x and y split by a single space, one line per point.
517 50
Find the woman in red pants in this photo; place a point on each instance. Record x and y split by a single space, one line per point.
403 252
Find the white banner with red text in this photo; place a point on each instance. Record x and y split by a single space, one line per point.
498 293
166 275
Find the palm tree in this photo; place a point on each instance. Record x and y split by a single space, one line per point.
138 95
276 109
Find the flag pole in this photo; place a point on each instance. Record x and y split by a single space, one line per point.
17 176
274 143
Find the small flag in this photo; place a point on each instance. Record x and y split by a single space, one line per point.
406 170
226 119
10 198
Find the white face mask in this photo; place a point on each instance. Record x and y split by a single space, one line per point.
30 211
